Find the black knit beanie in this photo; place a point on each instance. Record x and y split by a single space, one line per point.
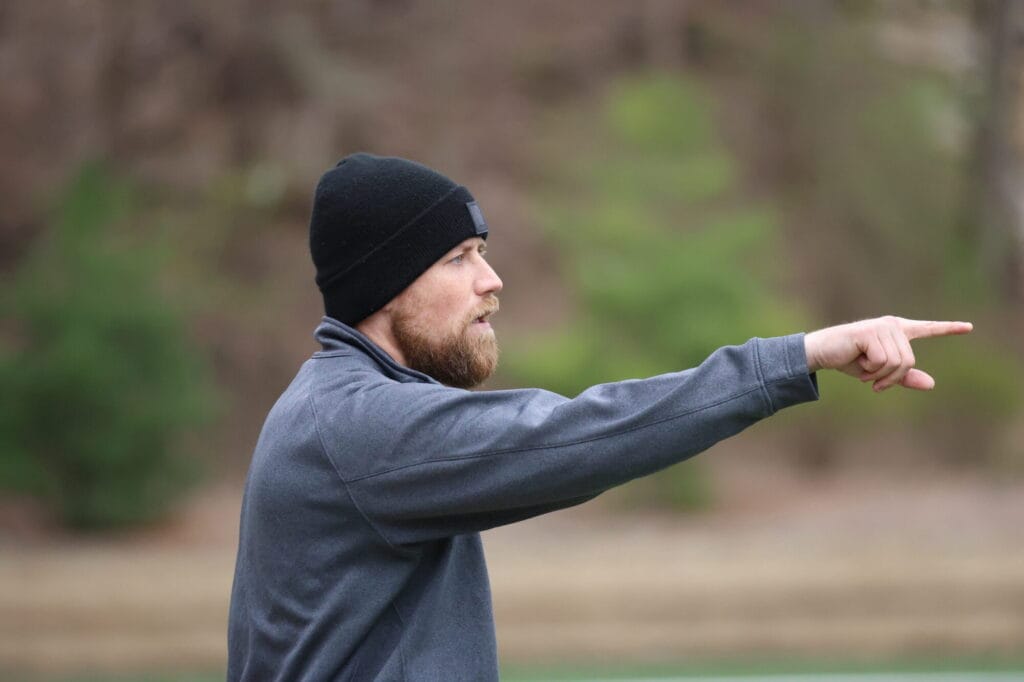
378 223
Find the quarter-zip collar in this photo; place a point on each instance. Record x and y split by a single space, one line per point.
337 338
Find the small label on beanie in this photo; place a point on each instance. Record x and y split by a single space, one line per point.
477 216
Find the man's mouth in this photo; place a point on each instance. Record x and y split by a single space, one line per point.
484 319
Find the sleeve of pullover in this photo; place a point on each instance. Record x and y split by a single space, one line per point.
425 461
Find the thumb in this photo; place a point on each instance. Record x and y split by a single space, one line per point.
916 379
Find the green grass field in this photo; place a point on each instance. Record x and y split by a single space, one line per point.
958 670
778 670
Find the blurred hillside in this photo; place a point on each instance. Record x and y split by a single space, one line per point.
825 161
660 178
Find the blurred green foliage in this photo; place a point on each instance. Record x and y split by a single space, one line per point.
667 262
100 379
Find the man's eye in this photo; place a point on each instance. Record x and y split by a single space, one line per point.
457 260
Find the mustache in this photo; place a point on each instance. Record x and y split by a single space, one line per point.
490 307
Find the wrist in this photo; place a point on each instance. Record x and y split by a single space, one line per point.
810 350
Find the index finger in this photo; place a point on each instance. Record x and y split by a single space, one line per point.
919 329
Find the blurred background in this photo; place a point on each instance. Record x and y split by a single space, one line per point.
661 178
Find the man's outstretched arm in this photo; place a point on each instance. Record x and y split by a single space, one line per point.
877 350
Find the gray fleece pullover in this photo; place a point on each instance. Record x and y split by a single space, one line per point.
359 556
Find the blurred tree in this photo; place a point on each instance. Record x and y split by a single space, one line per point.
995 216
100 381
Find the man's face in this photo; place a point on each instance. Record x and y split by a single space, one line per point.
440 321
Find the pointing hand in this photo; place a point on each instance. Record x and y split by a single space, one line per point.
877 350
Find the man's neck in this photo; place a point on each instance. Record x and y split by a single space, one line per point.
377 328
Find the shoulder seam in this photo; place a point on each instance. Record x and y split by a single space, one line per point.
344 483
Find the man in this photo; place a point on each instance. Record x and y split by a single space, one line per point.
359 556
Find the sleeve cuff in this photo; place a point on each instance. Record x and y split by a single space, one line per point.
783 364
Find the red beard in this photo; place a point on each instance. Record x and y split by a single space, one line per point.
463 359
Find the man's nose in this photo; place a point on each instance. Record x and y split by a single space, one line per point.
488 281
